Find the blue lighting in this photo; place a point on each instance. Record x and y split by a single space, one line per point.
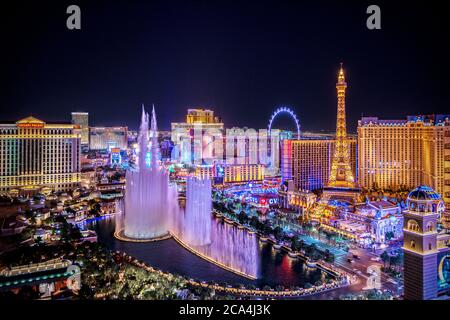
288 111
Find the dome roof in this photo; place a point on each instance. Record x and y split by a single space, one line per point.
424 193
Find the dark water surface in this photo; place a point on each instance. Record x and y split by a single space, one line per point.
276 267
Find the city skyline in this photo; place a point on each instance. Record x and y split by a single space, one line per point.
212 150
254 57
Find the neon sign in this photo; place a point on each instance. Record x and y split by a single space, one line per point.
30 125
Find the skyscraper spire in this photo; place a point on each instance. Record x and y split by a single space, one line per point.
341 173
341 77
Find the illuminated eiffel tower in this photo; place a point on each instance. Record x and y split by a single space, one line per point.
341 183
341 172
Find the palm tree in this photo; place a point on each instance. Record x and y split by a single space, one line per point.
301 244
385 258
328 236
395 261
279 288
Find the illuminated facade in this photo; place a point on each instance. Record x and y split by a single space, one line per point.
405 153
35 154
166 149
105 138
115 158
44 278
88 178
308 161
201 116
203 172
249 146
202 139
375 221
196 137
341 174
230 173
291 198
82 120
239 173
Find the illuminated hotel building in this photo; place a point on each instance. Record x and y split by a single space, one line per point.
82 120
35 154
237 147
405 153
105 138
292 198
238 173
201 118
248 146
203 172
308 161
202 139
190 139
231 173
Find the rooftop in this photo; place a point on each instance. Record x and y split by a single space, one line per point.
424 193
434 119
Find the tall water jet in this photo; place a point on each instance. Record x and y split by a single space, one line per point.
150 212
234 247
197 219
119 216
226 245
148 195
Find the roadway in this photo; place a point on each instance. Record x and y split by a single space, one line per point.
358 268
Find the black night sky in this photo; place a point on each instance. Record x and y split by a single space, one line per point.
240 58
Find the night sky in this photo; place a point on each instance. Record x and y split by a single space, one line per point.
240 58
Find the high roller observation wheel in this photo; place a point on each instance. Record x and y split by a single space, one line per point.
288 111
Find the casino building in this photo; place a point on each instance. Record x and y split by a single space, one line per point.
82 119
307 162
49 279
106 138
405 153
182 133
231 173
294 199
36 155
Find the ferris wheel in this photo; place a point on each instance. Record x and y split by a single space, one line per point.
288 111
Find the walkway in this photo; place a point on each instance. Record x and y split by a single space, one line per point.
246 292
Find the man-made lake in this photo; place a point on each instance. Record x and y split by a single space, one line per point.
276 267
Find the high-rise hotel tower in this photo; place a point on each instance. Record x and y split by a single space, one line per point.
36 155
405 153
307 161
82 119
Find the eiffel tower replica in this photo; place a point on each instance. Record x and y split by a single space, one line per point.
341 184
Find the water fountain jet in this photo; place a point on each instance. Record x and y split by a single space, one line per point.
149 198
